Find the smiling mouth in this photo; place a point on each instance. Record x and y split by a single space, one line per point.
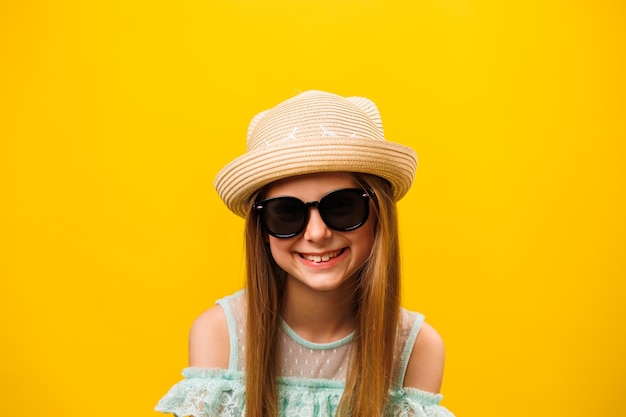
321 258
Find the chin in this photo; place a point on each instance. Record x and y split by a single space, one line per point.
323 285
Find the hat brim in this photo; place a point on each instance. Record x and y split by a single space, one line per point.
238 181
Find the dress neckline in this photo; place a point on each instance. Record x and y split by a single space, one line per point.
312 345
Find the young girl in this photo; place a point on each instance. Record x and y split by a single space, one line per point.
318 331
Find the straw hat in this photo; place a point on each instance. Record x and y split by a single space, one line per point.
314 132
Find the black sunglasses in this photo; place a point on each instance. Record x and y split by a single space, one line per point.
342 210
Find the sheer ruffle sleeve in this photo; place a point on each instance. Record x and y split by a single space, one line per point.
206 393
221 393
411 402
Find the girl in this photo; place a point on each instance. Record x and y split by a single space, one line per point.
318 331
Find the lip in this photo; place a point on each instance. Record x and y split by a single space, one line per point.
304 258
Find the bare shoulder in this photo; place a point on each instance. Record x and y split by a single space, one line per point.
425 367
209 343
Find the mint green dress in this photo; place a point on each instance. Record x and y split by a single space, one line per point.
310 381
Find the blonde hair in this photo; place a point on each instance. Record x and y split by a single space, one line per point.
376 305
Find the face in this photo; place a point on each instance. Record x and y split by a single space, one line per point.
320 258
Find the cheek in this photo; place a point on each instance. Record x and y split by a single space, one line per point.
279 248
369 237
370 245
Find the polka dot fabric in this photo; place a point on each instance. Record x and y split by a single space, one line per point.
311 376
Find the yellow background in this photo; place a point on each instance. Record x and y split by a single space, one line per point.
115 117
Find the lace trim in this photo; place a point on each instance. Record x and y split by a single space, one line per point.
221 393
206 393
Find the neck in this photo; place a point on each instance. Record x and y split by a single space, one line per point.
319 316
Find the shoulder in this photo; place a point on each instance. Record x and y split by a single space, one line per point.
425 367
209 343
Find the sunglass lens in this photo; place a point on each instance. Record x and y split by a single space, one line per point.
284 216
344 209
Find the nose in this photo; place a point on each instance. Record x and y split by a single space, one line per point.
316 230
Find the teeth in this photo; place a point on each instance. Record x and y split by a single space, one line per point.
322 258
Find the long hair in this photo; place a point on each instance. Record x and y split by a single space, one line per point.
376 303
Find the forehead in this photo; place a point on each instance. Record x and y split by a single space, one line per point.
311 187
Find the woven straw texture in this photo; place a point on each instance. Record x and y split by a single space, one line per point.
309 133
